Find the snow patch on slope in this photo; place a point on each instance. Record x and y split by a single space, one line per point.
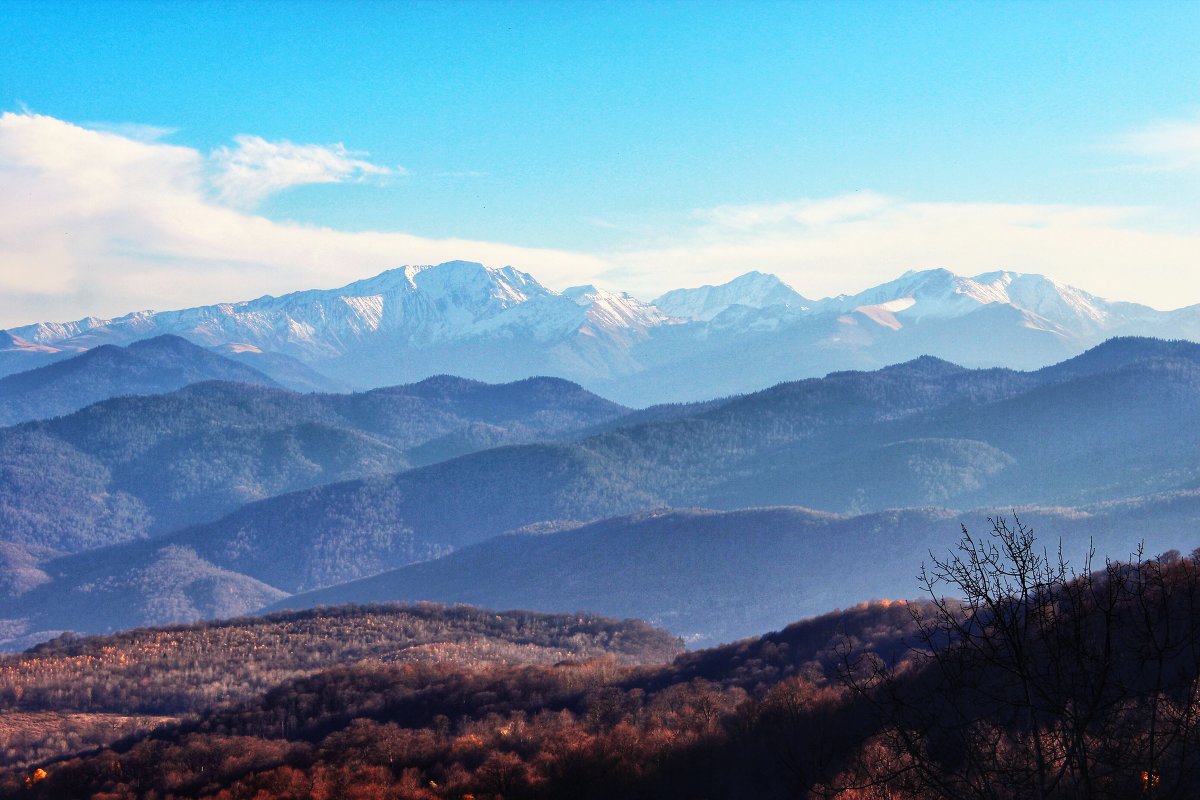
885 313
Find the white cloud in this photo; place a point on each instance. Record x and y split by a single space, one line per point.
97 223
848 243
246 174
824 211
1166 145
94 223
133 130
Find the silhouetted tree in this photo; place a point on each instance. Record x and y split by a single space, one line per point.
1032 680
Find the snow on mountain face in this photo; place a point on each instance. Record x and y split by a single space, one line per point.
613 310
940 294
424 304
501 324
754 290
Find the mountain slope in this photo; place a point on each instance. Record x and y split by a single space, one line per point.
188 668
781 716
288 372
406 324
151 366
1120 422
136 466
707 576
922 433
19 355
715 577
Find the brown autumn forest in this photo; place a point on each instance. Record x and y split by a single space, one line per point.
74 692
1046 680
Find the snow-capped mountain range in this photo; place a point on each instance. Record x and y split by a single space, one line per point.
502 324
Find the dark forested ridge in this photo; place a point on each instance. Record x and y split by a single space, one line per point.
714 577
922 433
1118 421
131 467
151 366
708 576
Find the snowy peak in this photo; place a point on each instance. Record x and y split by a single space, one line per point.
420 303
236 348
469 283
615 309
500 324
753 290
461 277
1052 299
940 294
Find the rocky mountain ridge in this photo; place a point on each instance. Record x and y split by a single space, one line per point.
501 324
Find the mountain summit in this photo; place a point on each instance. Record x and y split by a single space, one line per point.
150 366
753 290
939 293
501 324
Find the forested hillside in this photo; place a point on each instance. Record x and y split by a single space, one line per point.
707 576
714 577
916 434
150 366
171 670
288 372
132 467
923 433
155 675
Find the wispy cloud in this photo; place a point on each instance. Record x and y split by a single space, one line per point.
244 175
96 222
1165 145
93 222
810 212
133 130
826 246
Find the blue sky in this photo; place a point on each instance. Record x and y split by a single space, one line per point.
638 145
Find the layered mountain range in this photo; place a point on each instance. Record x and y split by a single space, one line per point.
226 497
500 325
135 466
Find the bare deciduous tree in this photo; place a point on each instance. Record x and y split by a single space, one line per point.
1030 679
